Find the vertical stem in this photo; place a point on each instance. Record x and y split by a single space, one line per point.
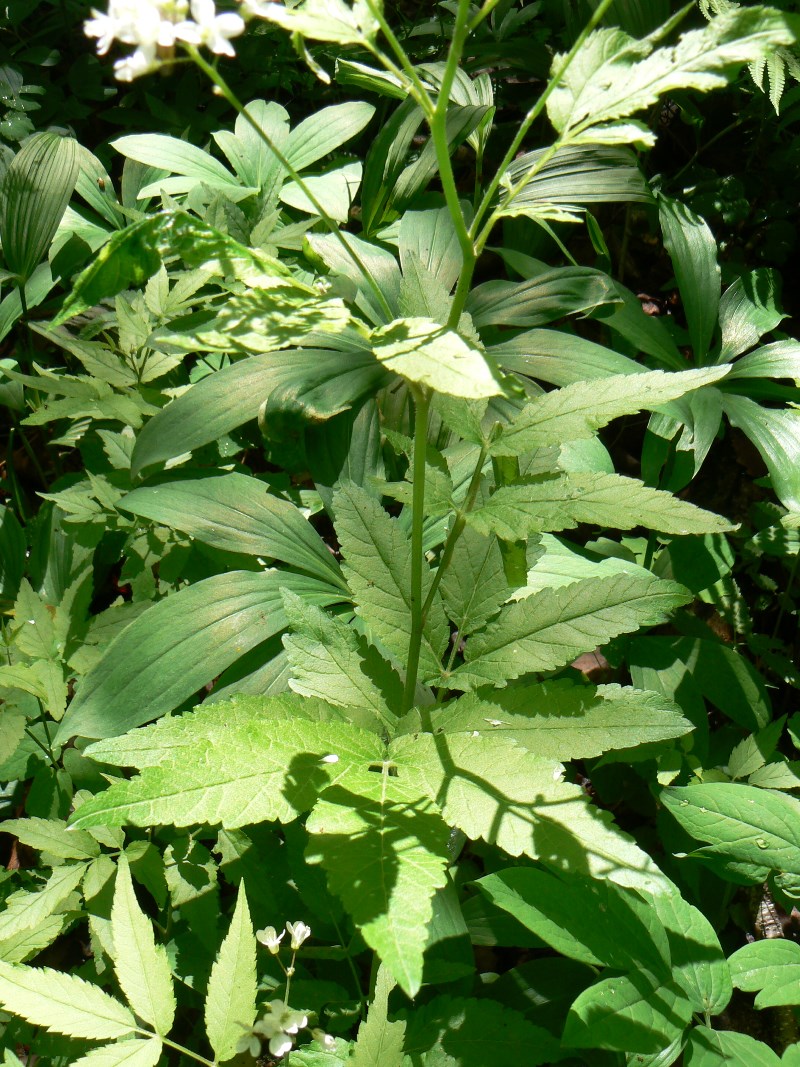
422 403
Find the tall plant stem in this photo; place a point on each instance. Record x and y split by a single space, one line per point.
214 75
422 403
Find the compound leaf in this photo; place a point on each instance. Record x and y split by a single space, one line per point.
231 997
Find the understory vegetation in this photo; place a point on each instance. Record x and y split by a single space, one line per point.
399 533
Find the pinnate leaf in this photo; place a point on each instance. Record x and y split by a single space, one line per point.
231 996
123 1054
379 1041
53 837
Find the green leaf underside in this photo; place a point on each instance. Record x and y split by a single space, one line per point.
379 1041
561 502
552 627
384 847
53 837
124 1054
231 997
252 760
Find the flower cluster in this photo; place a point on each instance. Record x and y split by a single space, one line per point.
278 1025
155 27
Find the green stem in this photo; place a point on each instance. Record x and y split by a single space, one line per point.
422 403
178 1048
484 13
420 92
213 74
29 450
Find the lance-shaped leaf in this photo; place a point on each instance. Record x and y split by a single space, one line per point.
235 514
379 1041
141 966
497 791
579 410
28 910
327 20
34 195
614 75
229 764
561 502
123 1054
474 587
770 968
563 720
552 627
748 824
377 566
429 354
63 1003
548 296
231 997
776 435
53 837
384 846
693 251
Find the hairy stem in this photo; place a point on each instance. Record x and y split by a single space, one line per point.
422 403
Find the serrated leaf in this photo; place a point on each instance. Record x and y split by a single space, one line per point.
252 760
377 566
562 720
29 942
231 997
134 1053
429 354
748 824
26 910
497 791
552 627
561 502
579 410
474 586
179 644
141 966
62 1003
378 1040
384 846
770 968
726 1048
53 837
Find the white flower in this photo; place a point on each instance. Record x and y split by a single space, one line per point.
279 1045
270 937
298 932
292 1021
142 61
213 30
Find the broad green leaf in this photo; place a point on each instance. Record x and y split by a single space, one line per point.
693 251
235 513
175 156
548 296
424 352
320 382
474 587
552 627
36 289
560 358
179 645
34 195
781 359
334 192
63 1003
582 920
748 824
141 966
726 1048
429 237
497 791
615 75
379 1041
698 963
326 130
134 1053
372 269
231 998
776 435
579 410
562 502
377 566
232 764
327 661
770 968
53 837
384 846
634 1012
748 310
562 720
25 910
327 20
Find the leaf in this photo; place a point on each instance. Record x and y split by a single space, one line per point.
325 130
726 1048
141 966
562 720
128 1053
428 237
474 587
770 968
634 1012
548 296
698 963
748 824
424 352
776 435
560 358
62 1003
327 20
781 359
378 1040
235 513
334 192
328 381
27 910
561 502
693 251
180 644
53 837
497 791
553 627
233 764
377 566
231 998
176 156
579 410
748 310
615 75
384 846
35 192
